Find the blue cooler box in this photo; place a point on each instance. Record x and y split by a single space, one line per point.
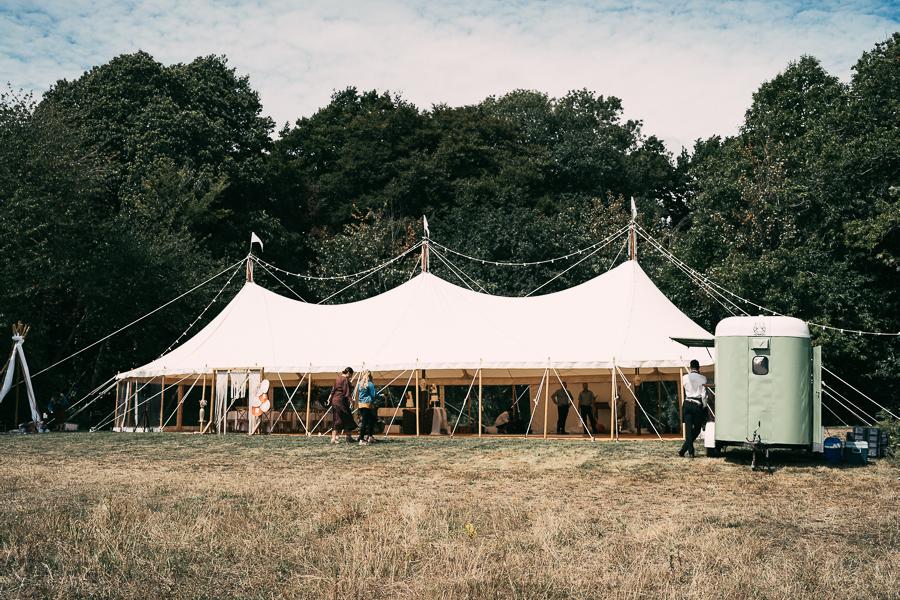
832 448
856 453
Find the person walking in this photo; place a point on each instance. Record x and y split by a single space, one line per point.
340 405
367 398
586 403
693 412
562 398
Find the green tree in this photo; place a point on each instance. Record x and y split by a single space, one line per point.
788 213
199 119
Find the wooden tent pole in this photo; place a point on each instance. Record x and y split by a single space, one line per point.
469 409
116 417
127 415
681 402
202 400
659 401
179 415
162 400
612 404
637 395
546 399
479 400
308 399
417 398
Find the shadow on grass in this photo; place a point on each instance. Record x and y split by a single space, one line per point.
781 458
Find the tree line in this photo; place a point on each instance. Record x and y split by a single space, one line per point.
132 184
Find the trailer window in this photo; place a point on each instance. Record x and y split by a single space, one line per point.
760 365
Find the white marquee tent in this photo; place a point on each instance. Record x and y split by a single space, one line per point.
445 334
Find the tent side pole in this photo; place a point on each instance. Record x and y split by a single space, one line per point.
637 395
612 404
127 416
179 416
162 402
681 402
546 398
202 400
308 400
469 409
479 401
659 401
417 402
116 417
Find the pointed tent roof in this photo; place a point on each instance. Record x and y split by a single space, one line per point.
429 323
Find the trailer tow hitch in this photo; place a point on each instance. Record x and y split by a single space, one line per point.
756 445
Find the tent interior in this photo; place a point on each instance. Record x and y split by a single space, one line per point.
449 359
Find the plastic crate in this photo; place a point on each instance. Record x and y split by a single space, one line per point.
873 437
859 434
884 445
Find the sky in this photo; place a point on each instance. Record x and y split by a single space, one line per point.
687 69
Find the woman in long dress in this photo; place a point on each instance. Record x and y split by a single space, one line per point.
340 405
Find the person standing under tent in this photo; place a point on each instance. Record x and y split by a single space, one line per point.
340 405
367 397
586 403
562 398
693 413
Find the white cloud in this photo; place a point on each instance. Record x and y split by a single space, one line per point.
687 69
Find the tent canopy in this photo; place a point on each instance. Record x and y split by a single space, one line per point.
619 318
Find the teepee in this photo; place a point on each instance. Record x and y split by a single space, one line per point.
19 333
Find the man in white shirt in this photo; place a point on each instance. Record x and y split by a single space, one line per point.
693 412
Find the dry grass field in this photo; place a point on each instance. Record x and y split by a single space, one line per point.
183 516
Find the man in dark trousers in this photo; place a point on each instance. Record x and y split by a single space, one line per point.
586 405
562 398
693 412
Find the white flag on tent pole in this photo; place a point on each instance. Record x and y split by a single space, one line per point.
255 238
633 209
425 220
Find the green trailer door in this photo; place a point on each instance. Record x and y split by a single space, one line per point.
731 388
760 387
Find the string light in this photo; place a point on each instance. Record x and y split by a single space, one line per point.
720 290
529 264
339 277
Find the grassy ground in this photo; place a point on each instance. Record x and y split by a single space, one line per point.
165 515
